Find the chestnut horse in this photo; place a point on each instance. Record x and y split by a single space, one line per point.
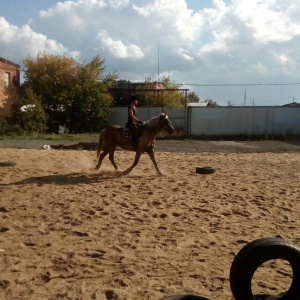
112 137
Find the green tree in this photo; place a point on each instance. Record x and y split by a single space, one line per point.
90 103
193 97
147 98
172 98
211 102
74 94
29 115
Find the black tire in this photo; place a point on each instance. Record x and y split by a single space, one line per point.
253 255
7 163
205 170
184 297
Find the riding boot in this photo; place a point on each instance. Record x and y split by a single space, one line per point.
133 142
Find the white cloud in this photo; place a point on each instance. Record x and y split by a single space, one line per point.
230 41
118 4
117 47
23 41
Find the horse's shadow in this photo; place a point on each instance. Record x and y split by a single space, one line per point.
66 179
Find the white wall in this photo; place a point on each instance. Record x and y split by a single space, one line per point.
213 120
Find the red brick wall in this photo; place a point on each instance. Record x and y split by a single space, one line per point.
9 85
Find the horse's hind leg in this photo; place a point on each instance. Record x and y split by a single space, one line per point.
101 157
111 158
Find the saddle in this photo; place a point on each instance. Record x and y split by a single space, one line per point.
126 133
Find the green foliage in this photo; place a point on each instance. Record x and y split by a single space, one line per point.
193 97
5 126
172 98
73 94
211 102
33 119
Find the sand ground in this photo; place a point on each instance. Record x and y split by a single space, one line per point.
70 232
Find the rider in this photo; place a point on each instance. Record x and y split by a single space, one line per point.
133 121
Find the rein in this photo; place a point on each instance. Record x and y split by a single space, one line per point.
152 123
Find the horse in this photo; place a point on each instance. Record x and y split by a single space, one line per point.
111 137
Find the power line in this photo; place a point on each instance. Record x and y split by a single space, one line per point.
240 84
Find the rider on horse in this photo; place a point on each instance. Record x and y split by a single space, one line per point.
133 123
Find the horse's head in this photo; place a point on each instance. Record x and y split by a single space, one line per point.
165 123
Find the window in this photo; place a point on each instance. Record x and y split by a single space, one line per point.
7 79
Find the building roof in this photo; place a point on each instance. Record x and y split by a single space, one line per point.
292 104
6 61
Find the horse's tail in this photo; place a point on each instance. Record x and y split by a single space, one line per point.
100 143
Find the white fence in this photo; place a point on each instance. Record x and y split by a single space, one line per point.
224 120
244 120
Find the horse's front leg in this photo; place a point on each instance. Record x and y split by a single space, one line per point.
151 155
136 160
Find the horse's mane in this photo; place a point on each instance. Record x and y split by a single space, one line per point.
154 122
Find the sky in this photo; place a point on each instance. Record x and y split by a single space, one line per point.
237 52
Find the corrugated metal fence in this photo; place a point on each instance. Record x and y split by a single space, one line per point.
223 120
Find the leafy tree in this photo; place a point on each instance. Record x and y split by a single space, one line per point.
193 97
211 102
90 103
161 97
30 115
172 99
74 94
147 98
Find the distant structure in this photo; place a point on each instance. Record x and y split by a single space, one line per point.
9 85
122 91
292 104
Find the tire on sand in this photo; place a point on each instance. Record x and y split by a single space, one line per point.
184 297
7 163
253 255
205 170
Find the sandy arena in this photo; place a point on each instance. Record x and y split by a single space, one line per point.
70 232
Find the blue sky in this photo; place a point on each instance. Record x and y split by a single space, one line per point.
237 51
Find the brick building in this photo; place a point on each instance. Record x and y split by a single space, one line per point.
9 85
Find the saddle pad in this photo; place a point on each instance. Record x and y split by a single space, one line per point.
126 133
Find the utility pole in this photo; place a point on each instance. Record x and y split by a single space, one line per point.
158 60
245 98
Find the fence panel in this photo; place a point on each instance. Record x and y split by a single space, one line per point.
223 120
250 121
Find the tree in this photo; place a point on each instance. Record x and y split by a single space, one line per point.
30 115
193 97
211 102
147 98
172 98
73 94
90 105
